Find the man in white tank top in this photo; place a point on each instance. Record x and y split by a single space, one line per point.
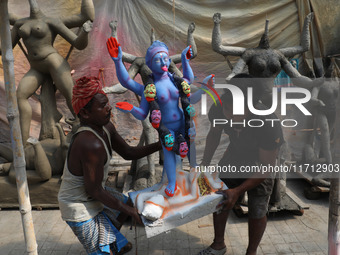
93 212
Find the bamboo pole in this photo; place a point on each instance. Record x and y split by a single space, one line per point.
334 193
334 196
13 119
333 220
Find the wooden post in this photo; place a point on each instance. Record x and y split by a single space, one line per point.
13 119
334 194
333 220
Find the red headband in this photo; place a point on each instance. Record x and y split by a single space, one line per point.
84 90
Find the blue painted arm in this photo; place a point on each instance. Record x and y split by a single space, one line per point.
139 113
125 79
123 75
142 111
196 97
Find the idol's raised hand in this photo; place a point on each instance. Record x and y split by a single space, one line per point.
124 106
187 53
209 81
114 48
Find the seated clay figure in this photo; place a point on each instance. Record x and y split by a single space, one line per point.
43 158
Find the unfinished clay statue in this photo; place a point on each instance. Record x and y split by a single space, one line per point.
324 100
166 90
38 33
262 61
45 157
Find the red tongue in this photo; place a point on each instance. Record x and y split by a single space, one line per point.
164 68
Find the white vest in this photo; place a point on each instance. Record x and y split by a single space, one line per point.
74 203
